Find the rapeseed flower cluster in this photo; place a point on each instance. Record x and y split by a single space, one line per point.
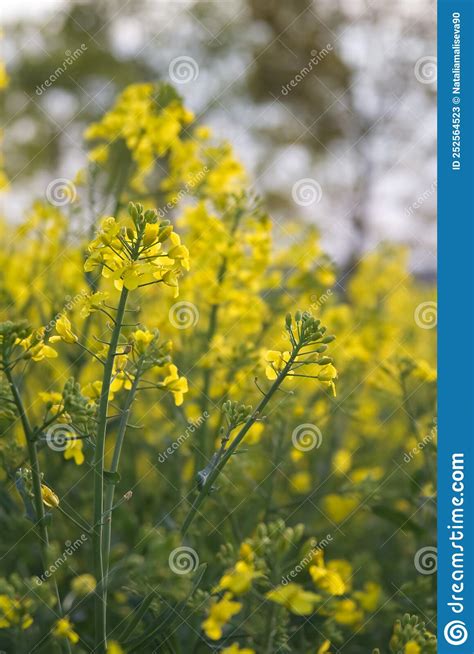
191 324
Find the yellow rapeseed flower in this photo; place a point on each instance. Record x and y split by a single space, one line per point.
83 584
49 497
324 649
63 629
294 598
235 649
64 329
239 579
176 384
277 361
74 451
13 613
220 613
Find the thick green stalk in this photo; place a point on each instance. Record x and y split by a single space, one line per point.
36 481
110 486
98 468
206 489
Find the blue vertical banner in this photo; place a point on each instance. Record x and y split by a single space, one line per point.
456 326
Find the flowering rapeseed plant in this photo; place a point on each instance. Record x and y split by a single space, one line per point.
174 399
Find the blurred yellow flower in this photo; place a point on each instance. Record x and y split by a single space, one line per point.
338 507
236 649
347 612
13 613
113 647
176 384
74 451
63 629
83 584
294 598
220 613
239 579
330 577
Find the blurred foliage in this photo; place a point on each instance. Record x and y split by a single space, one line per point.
344 119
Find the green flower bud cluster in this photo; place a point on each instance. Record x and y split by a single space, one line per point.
410 628
276 539
141 218
226 554
10 332
308 330
79 409
153 354
8 411
236 414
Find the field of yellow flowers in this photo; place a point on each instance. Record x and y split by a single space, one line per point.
210 441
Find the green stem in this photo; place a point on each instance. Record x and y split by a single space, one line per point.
110 486
36 479
206 489
98 469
